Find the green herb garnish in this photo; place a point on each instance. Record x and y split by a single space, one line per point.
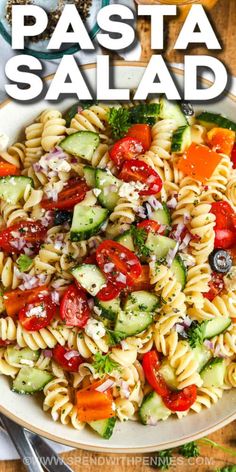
119 120
103 364
24 262
162 460
189 450
139 236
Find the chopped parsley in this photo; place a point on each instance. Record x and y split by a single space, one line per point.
24 262
195 334
162 460
227 468
189 450
119 120
139 237
103 364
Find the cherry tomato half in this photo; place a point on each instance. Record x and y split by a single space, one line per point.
15 300
216 285
7 169
38 313
108 293
143 133
224 238
181 401
18 237
125 149
225 216
74 308
233 157
149 225
138 171
73 193
65 358
120 266
151 365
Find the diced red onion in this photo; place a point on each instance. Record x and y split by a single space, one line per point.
187 322
177 233
186 217
47 219
105 386
125 388
171 255
179 328
47 353
68 355
141 212
55 297
108 267
121 278
172 203
185 241
79 109
162 228
149 210
155 204
91 303
208 344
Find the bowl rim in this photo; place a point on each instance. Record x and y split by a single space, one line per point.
53 55
105 449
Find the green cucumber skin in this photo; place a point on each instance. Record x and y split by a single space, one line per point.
78 147
78 234
127 324
216 119
104 180
172 111
16 355
8 187
126 239
96 277
181 272
210 333
181 139
141 300
213 373
107 311
150 401
104 428
90 176
21 386
162 216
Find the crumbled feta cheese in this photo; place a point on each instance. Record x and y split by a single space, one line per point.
230 279
53 188
95 329
96 191
130 190
97 310
38 311
4 140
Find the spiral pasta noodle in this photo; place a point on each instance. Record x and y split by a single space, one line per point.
33 146
224 305
185 365
15 154
54 129
91 119
202 228
57 400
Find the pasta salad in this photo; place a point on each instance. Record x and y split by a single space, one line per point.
118 262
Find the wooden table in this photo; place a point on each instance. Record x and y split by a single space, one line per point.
224 20
223 17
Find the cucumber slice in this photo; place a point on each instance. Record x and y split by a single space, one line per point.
159 245
90 176
153 409
170 110
162 216
109 309
179 270
30 380
215 327
202 356
107 198
181 139
141 301
130 324
81 144
87 221
22 356
210 120
126 239
168 373
213 373
89 277
12 188
104 427
73 110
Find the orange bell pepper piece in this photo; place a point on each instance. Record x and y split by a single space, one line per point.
199 162
221 140
17 299
93 405
7 169
143 281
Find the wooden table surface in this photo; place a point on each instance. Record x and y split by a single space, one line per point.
224 20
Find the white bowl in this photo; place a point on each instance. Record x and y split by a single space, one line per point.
130 436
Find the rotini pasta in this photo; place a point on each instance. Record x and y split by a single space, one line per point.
115 274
